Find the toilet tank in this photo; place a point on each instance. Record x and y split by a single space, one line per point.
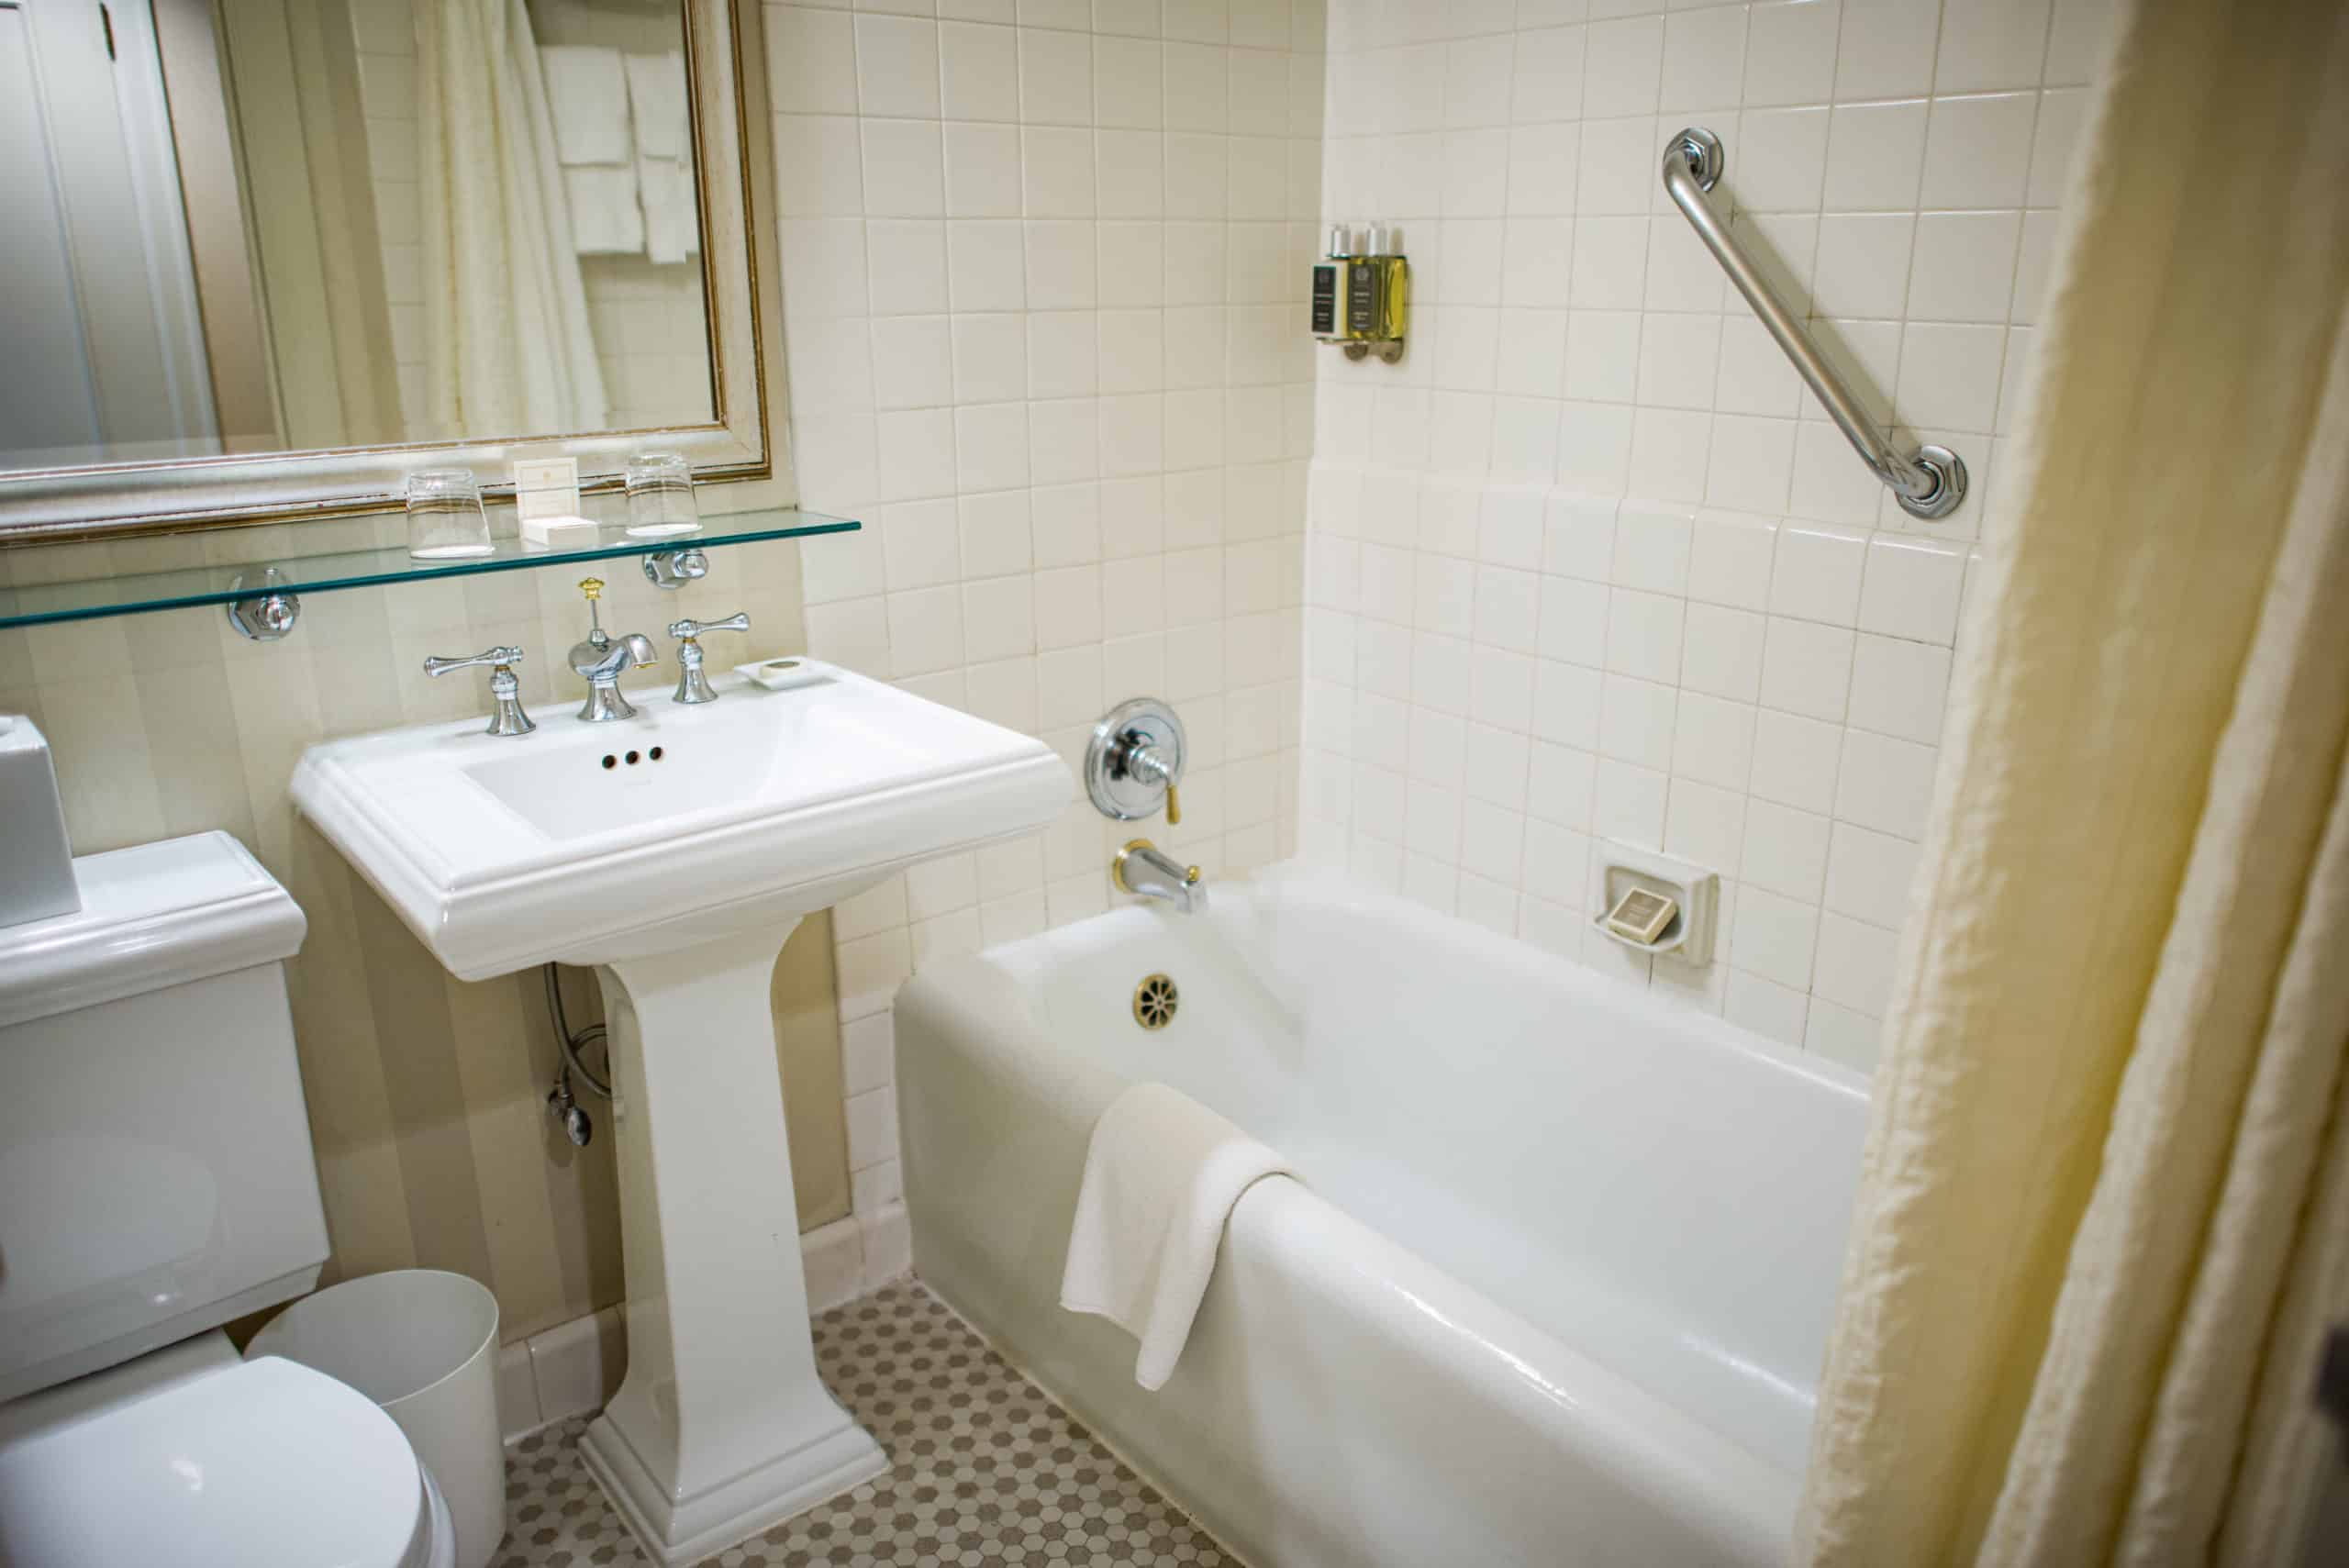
156 1177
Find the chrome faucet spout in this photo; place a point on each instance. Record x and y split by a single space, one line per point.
600 657
1144 869
599 660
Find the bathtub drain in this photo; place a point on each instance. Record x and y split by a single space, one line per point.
1155 1000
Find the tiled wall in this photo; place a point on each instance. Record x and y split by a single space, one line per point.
1589 565
1043 266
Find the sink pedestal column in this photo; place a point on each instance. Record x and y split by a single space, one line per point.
721 1427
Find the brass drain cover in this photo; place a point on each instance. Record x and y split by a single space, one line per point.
1155 1000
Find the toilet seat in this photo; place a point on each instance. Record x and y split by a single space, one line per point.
260 1464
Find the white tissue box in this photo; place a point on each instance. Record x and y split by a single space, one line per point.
35 861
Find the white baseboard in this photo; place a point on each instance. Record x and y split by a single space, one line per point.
572 1368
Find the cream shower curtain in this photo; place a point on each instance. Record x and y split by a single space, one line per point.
2104 1213
508 348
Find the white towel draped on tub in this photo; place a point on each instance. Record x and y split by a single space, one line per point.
1161 1175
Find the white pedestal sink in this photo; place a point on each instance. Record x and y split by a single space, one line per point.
675 853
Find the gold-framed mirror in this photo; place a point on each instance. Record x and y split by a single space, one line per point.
271 256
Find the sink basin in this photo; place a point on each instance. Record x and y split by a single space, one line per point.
675 853
588 842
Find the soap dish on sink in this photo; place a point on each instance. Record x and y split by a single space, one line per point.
783 675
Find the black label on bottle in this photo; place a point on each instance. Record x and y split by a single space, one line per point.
1361 299
1325 299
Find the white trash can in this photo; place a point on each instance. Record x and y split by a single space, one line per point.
423 1344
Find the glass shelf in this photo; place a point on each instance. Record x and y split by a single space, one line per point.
227 583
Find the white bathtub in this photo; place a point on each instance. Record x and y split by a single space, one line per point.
1555 1285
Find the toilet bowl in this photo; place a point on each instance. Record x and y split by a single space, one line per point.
156 1181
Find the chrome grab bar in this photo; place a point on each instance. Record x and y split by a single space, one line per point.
1929 483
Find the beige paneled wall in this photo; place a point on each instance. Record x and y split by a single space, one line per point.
426 1094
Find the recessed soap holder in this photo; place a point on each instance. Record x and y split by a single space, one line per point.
1658 906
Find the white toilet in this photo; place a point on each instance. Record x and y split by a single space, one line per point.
156 1181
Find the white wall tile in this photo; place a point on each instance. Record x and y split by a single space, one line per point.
1776 938
1885 47
1964 266
1713 741
1853 967
1875 156
1978 153
1989 44
1806 668
1911 589
1773 1011
903 170
896 66
1055 77
1790 52
981 170
1868 875
1815 574
1623 62
979 71
1898 687
1884 784
1644 634
1795 761
1704 58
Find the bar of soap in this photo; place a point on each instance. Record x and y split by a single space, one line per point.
36 861
782 674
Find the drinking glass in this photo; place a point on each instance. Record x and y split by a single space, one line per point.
444 515
661 495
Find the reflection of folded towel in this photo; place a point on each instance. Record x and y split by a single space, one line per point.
1161 1175
587 93
605 217
672 224
656 95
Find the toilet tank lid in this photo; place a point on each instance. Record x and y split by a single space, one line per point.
152 916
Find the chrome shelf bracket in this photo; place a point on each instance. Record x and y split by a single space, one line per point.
269 613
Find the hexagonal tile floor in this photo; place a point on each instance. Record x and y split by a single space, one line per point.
984 1469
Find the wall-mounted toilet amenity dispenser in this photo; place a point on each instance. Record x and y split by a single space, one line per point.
1362 292
36 861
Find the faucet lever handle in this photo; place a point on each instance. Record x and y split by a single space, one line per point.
505 717
693 686
503 658
686 630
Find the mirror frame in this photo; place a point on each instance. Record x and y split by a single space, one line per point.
725 74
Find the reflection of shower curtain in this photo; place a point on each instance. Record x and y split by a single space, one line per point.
508 351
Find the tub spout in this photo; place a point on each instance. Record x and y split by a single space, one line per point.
1143 869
